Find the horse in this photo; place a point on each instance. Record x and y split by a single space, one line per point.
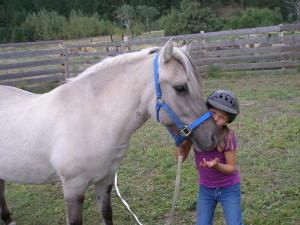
79 132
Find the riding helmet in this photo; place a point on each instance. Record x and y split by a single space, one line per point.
225 101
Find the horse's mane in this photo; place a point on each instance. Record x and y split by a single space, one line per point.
180 55
189 67
111 61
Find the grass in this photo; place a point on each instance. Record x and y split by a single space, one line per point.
268 132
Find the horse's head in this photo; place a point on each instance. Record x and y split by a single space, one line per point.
180 88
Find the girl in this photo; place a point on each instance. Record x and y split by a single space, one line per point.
218 176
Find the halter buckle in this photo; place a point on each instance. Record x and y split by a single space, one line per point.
160 99
186 131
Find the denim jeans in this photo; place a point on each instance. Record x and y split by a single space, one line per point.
229 198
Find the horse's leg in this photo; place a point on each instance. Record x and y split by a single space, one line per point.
103 192
5 215
74 198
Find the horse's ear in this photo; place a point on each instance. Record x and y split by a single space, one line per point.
187 47
167 50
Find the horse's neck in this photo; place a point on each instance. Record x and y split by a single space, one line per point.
119 93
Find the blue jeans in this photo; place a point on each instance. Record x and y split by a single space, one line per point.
229 198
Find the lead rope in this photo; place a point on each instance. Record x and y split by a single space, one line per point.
177 184
124 202
176 191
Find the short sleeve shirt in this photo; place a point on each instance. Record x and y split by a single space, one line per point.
211 177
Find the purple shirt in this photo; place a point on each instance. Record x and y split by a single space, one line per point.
211 177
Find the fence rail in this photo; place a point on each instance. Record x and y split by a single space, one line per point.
31 63
259 50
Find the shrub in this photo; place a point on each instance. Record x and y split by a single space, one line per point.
192 18
255 17
44 25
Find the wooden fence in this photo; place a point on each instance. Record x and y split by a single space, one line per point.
257 50
26 64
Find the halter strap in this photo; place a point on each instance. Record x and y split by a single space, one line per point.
184 130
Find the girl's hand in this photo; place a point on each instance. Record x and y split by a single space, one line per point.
210 164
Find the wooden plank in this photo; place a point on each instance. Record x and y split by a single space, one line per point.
30 44
247 51
247 58
290 27
90 62
94 45
31 73
263 72
243 66
247 31
32 64
33 80
78 54
16 55
292 39
77 71
217 34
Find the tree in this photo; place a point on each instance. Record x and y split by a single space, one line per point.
124 14
147 14
294 9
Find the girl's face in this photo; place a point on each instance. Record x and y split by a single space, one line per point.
221 118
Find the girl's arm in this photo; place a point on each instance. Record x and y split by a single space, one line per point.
227 168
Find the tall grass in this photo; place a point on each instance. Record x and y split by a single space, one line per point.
268 132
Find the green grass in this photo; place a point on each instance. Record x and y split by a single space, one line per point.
268 132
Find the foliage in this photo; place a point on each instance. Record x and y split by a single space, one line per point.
255 17
147 14
124 14
293 7
178 16
80 25
191 18
44 25
127 15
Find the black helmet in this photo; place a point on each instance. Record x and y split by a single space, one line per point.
225 101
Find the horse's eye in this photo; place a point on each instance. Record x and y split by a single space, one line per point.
180 88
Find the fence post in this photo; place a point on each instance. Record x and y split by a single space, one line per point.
202 50
281 44
67 71
202 41
123 45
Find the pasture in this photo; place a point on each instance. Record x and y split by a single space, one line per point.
268 132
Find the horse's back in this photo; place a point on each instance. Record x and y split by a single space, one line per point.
8 93
13 102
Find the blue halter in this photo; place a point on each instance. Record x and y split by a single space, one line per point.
184 130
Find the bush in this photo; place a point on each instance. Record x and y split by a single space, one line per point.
44 25
192 18
255 17
86 26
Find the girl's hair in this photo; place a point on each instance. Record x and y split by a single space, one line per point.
225 139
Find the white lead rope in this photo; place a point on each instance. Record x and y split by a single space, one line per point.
124 202
176 192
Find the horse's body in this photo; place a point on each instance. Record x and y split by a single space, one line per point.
78 133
